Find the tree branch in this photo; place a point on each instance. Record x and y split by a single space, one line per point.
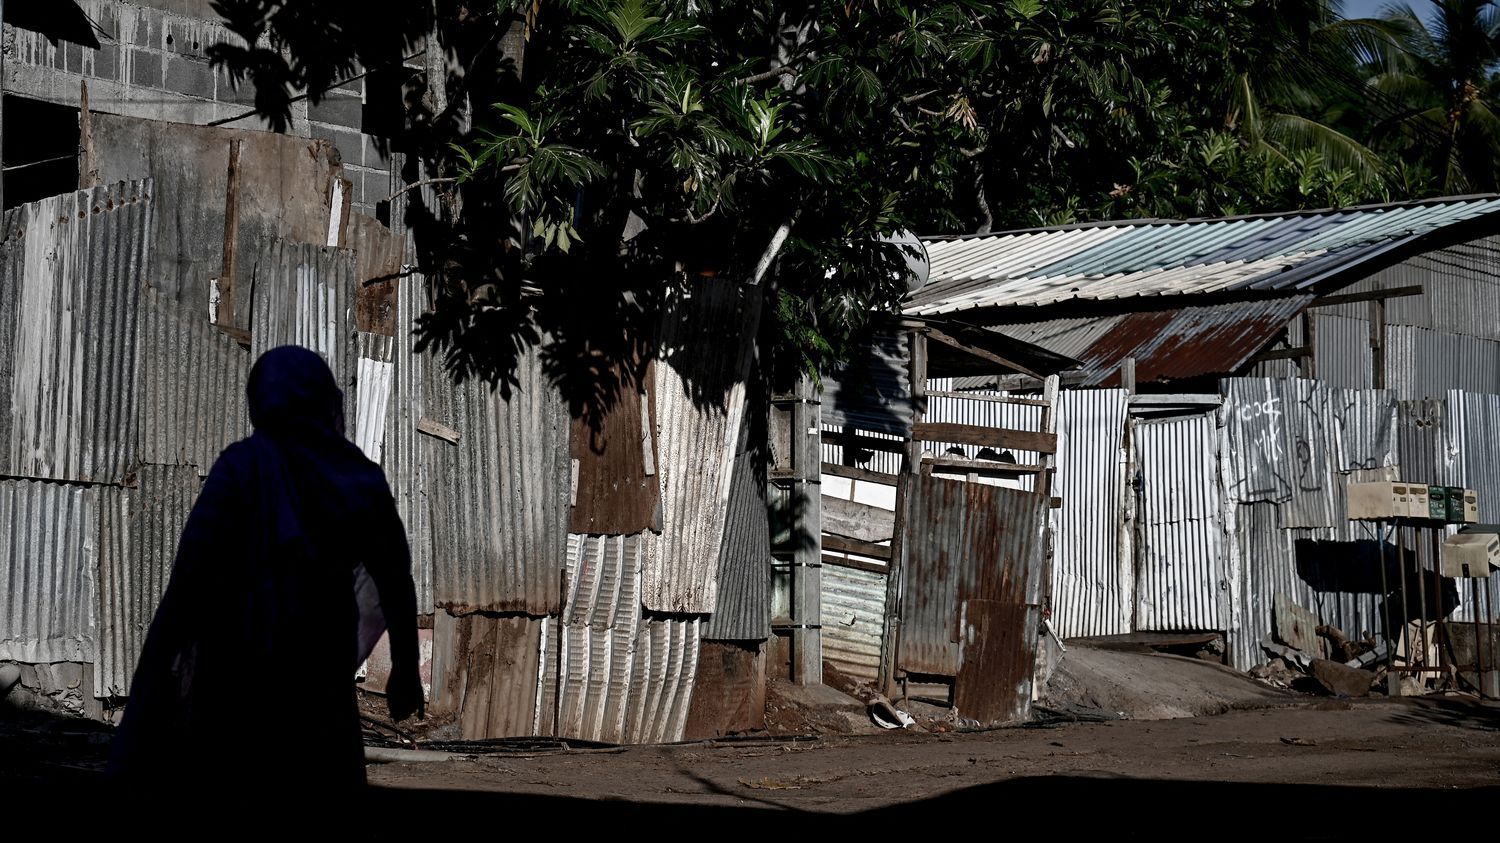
773 248
919 97
423 183
773 73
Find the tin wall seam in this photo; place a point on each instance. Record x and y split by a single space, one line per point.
139 532
407 455
1092 581
1421 363
707 342
75 268
1182 574
1472 436
500 498
48 571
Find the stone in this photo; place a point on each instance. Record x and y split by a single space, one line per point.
1341 680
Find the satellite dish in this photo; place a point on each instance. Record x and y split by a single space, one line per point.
918 264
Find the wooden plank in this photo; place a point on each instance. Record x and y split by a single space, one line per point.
982 354
860 522
996 399
438 430
1372 295
862 474
1282 354
994 437
224 312
984 467
88 158
843 545
856 564
1310 342
1177 400
917 376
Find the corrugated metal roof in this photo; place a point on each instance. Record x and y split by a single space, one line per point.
139 531
742 611
1091 578
500 498
1183 583
1127 259
74 266
48 562
707 340
877 396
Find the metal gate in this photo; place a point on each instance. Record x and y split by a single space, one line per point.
1182 581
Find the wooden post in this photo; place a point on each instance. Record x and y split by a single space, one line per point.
88 162
917 375
224 312
2 121
1127 375
1044 488
1309 342
890 639
807 558
1377 344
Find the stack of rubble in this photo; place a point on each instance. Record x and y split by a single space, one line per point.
1307 654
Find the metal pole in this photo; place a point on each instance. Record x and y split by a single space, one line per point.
1478 646
1421 602
1405 610
1385 608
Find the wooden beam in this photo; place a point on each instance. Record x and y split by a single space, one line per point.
843 545
856 564
1377 343
982 354
985 467
858 521
994 399
1372 295
1282 354
994 437
224 312
1127 375
862 474
1177 400
1310 342
88 159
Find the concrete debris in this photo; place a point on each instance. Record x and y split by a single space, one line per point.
1340 679
1297 627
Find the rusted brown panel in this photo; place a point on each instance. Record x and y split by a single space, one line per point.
485 672
379 254
962 542
994 683
615 446
729 694
1189 342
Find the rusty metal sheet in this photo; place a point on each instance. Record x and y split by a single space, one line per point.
616 451
48 606
138 535
74 268
191 383
962 542
707 341
729 693
500 496
378 256
742 611
486 672
284 191
999 653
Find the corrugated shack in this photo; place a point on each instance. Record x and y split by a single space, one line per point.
1236 374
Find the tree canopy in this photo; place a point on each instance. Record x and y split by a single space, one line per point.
605 148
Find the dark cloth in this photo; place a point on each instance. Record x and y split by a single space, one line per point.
246 679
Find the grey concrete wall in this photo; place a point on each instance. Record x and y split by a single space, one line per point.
153 63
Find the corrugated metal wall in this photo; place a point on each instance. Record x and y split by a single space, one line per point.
742 611
500 498
372 376
1092 579
1183 582
406 455
50 554
853 620
707 340
1472 434
304 294
191 381
877 396
139 533
73 274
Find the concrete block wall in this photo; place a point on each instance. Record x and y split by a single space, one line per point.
152 62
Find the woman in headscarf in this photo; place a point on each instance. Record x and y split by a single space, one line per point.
246 679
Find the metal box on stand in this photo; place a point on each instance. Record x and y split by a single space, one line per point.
1418 504
1378 501
1469 555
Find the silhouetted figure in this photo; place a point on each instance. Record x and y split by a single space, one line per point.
246 680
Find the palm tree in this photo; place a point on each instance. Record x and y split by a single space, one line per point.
1306 95
1445 82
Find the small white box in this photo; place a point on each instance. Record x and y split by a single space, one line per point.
1379 501
1469 555
1417 503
